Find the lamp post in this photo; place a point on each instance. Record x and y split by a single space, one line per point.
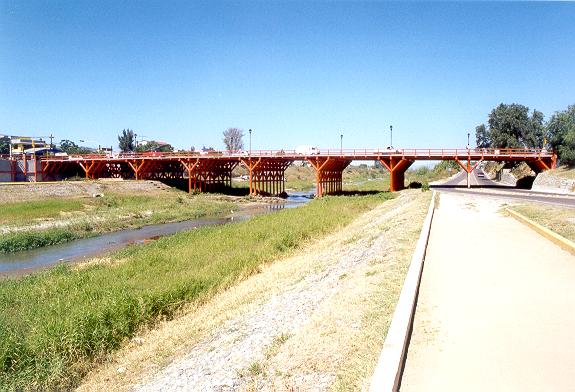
391 136
468 140
250 131
341 144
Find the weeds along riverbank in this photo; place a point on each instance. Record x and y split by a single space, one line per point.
54 326
37 223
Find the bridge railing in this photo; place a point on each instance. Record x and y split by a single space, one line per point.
366 153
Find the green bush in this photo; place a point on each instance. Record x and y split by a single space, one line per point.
13 242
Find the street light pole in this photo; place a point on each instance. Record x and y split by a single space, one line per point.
250 131
391 136
468 140
341 144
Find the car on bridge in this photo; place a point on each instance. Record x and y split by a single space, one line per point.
307 150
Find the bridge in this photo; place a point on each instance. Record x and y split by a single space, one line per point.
212 171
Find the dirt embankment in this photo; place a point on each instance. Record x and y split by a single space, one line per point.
560 180
311 321
25 191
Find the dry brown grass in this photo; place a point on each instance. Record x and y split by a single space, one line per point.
564 172
561 220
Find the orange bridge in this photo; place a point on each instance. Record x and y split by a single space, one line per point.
213 171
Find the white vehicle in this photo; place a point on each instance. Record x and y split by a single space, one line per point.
306 150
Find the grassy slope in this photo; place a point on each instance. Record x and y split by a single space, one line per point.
55 325
561 220
39 223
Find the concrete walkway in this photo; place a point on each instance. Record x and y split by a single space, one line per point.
496 309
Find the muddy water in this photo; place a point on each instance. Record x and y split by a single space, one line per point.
20 263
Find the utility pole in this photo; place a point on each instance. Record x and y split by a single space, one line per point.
51 138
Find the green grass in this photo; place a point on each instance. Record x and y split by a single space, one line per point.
55 325
46 222
14 242
25 212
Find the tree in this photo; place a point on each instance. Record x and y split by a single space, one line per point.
69 147
233 139
154 145
126 140
482 137
510 126
5 145
561 131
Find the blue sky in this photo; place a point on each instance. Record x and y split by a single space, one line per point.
295 72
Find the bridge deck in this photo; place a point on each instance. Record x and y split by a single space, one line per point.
206 171
354 154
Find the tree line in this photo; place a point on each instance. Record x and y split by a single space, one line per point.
513 126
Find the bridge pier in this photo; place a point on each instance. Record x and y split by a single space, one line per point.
267 176
205 175
328 174
397 167
92 168
468 168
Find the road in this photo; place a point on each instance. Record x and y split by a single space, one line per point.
494 311
482 186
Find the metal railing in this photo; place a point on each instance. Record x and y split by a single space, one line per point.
365 154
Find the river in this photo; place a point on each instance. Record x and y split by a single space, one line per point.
24 262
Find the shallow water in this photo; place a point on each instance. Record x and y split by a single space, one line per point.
19 263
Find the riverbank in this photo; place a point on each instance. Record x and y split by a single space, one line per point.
56 325
314 319
86 209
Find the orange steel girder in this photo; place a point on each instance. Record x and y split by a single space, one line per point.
540 164
328 174
397 168
267 176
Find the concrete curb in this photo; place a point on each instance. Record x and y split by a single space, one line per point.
387 374
563 242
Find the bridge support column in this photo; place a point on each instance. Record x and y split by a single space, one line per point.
204 175
397 167
466 165
267 176
190 166
328 174
140 167
93 169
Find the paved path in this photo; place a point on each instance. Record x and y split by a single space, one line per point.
482 186
496 310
